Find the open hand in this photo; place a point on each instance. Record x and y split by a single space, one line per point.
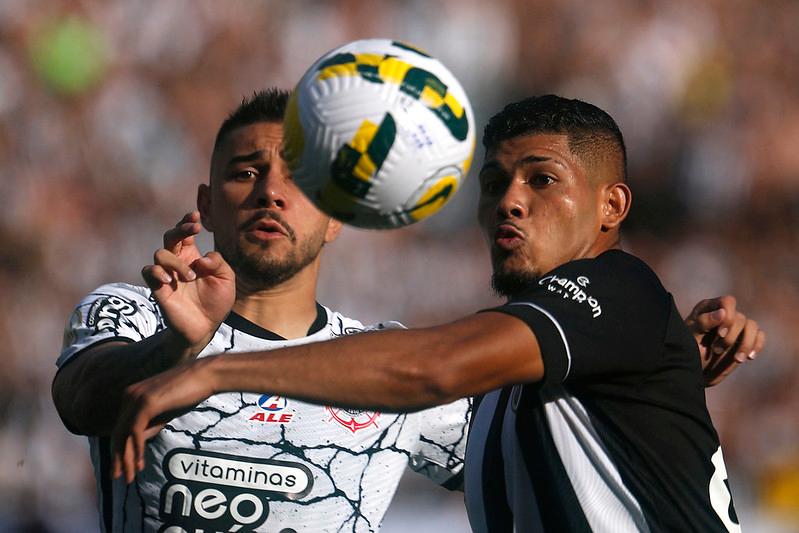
194 292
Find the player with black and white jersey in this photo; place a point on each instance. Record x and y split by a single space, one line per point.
241 461
592 414
260 461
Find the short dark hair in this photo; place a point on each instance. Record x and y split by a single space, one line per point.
592 133
268 105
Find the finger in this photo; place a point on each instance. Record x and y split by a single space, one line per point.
747 340
727 366
706 322
155 276
211 263
171 262
732 337
188 227
760 343
713 313
730 306
128 461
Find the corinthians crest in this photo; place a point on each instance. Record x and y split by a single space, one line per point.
353 419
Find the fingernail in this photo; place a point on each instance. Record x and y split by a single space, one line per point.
740 357
717 315
191 275
718 349
723 332
166 278
752 354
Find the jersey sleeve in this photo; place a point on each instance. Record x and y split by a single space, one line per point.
443 432
115 311
596 317
442 435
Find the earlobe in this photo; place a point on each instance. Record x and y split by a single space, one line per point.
204 205
618 199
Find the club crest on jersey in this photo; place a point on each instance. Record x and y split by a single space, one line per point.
273 407
352 419
109 313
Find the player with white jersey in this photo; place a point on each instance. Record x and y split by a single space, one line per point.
257 461
241 462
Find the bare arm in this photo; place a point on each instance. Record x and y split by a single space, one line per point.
88 391
395 370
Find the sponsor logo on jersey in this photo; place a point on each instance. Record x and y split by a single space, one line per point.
572 290
210 491
352 419
273 405
108 313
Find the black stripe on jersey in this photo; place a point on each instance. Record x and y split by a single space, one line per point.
558 505
106 488
499 516
236 321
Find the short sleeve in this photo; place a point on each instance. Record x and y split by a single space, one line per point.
596 317
442 435
443 432
115 311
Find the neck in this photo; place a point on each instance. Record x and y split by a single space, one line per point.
287 309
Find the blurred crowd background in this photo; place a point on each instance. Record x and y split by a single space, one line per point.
107 116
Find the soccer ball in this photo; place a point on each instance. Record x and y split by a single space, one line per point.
378 134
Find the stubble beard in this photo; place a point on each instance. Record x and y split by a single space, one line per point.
257 269
510 282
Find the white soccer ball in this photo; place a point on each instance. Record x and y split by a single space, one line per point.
378 134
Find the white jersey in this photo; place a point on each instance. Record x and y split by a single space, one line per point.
259 462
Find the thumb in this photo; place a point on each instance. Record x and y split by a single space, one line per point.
705 322
212 264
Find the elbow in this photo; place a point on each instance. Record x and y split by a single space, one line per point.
73 406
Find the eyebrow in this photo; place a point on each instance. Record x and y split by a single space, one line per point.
245 158
528 160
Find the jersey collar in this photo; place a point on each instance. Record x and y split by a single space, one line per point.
236 321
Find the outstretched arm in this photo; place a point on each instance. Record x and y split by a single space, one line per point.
407 370
88 391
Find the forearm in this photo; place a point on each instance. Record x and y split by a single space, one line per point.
397 370
88 391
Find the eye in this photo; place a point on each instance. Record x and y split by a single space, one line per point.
492 185
245 175
540 181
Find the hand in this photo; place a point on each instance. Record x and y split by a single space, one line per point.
180 239
725 336
149 404
194 292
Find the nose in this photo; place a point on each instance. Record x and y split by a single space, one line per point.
271 189
512 204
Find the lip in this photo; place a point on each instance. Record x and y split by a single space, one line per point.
266 229
508 237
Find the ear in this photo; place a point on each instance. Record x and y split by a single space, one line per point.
204 205
333 229
616 203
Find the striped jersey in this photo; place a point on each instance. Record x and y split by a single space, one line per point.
260 462
616 437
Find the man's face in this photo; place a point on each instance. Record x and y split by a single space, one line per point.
538 208
263 224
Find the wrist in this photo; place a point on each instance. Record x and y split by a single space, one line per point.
183 348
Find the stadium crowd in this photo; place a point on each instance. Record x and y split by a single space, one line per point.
107 112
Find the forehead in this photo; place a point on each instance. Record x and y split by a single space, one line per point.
252 137
545 145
